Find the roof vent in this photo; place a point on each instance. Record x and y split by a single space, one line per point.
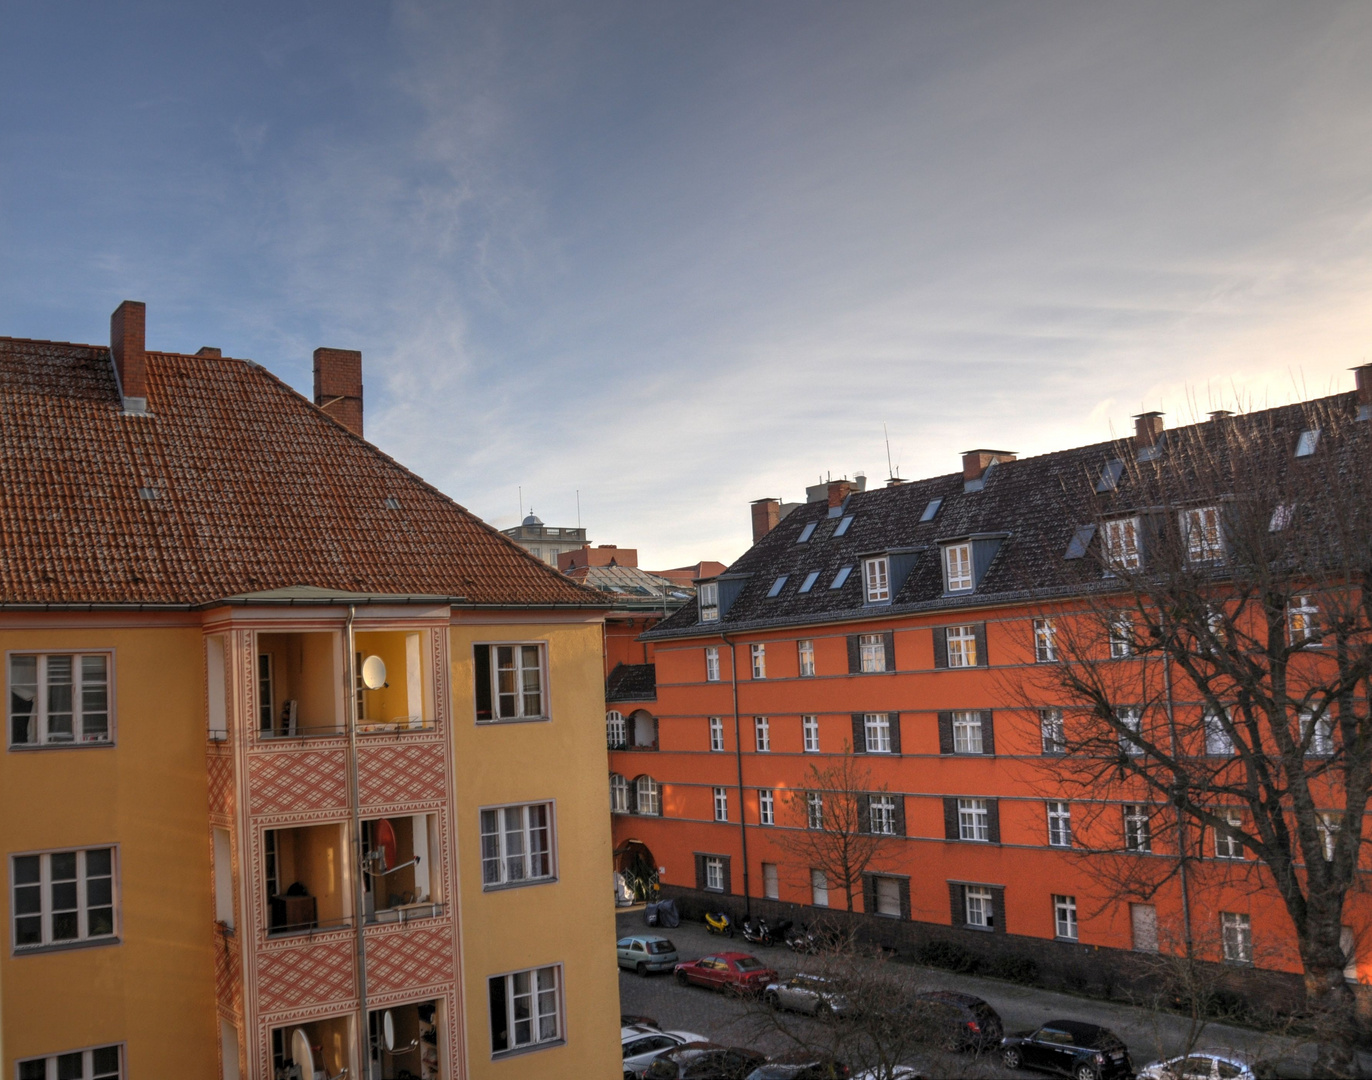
147 494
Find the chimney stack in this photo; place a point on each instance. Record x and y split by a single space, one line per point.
1148 428
976 462
1363 375
338 386
128 327
838 491
210 352
766 514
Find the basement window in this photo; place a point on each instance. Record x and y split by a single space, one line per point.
930 510
777 586
806 532
843 525
809 582
841 577
1308 442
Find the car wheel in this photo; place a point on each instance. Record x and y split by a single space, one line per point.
1011 1057
642 969
1085 1072
682 979
772 1000
823 1011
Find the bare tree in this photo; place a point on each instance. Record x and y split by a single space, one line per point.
1214 674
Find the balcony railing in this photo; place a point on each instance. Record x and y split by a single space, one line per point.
406 913
395 725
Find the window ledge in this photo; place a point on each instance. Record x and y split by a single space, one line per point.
501 1055
28 748
1067 940
494 722
978 929
503 886
65 946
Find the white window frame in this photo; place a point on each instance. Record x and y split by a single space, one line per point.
521 850
1065 917
1236 937
762 735
712 663
648 790
40 719
876 732
266 693
1045 641
1218 741
1052 733
716 734
616 732
962 646
819 888
536 995
758 652
1228 846
1059 824
714 873
707 597
721 804
619 794
979 906
967 732
1322 738
809 727
766 807
805 654
1121 636
957 567
974 820
1131 719
1303 621
876 575
519 671
46 901
881 815
1138 827
871 653
49 1063
1121 537
1202 530
814 810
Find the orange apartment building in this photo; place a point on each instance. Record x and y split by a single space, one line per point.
899 624
300 754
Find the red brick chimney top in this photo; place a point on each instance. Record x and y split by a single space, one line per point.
766 514
838 491
338 386
1148 428
1363 375
976 462
128 345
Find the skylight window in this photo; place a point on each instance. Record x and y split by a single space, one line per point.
809 582
841 577
777 586
1281 517
843 525
391 502
147 493
806 532
1307 443
1109 476
931 509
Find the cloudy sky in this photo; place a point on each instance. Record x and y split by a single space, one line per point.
683 255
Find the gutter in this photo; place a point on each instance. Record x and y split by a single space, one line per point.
738 758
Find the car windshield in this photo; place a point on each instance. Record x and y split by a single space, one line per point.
748 963
661 947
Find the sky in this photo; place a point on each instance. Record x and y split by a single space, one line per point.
675 257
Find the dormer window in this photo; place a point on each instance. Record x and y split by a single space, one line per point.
806 532
777 586
930 509
1201 529
1122 543
709 602
957 565
877 575
843 525
809 582
1308 442
841 577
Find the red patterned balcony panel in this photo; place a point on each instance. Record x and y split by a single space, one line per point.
409 957
308 974
221 786
294 781
390 773
228 972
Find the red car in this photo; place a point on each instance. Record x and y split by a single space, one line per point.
736 971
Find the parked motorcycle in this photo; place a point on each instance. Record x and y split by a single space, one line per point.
718 922
811 940
760 932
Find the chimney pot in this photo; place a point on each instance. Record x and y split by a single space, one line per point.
766 514
838 491
976 462
209 351
1148 428
338 386
1363 375
128 327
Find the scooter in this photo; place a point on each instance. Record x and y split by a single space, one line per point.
760 933
717 922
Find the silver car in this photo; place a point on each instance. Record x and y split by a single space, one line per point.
642 1043
1201 1065
644 953
811 994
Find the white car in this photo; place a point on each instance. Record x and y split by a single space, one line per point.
811 994
1201 1065
642 1043
901 1072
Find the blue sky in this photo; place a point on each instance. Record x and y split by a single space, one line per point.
681 256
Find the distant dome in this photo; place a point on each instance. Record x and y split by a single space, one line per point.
533 519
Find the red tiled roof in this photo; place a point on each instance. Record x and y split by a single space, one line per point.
255 489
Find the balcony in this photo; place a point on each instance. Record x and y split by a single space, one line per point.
405 1041
306 880
330 1048
404 702
298 685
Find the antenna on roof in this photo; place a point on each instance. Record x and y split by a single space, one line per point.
890 471
520 489
578 508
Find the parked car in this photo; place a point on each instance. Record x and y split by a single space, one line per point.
801 1066
1201 1065
630 1019
811 994
968 1022
646 952
1071 1047
642 1043
704 1061
900 1072
736 971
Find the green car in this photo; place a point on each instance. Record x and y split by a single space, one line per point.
646 952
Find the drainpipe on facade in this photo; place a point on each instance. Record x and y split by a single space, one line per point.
738 757
1181 817
363 1044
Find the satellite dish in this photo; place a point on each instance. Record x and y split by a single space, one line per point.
388 1030
373 673
301 1054
389 849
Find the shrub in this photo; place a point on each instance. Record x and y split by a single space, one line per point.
948 955
1013 967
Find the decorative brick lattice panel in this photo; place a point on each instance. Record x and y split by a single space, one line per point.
412 957
228 969
221 786
285 782
306 975
400 773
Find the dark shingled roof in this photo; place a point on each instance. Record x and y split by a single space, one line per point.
632 682
1023 500
245 487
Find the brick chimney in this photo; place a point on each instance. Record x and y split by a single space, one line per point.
127 343
766 514
338 386
976 462
1148 428
1364 377
838 491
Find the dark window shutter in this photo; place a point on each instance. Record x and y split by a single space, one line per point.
955 903
889 649
700 870
988 732
950 819
945 732
894 720
940 646
661 799
993 819
481 662
982 660
905 898
859 734
854 655
656 744
728 875
998 909
900 815
869 894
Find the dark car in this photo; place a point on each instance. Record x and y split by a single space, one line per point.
1070 1047
799 1066
965 1022
704 1061
736 971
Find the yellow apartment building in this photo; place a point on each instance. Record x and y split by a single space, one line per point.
303 769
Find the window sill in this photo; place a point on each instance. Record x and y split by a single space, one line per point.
501 1055
28 748
505 886
1067 940
494 722
979 929
65 946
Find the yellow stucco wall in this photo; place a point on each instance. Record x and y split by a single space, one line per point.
154 990
570 921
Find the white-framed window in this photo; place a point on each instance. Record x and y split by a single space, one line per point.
616 734
962 646
844 524
887 892
1228 844
1065 917
716 733
1218 742
967 732
712 663
957 567
1122 543
809 727
1138 828
1131 720
721 804
1059 824
619 794
974 820
1121 635
516 844
805 651
63 897
708 598
814 810
777 586
647 797
1052 733
1320 741
881 814
516 682
1307 443
59 699
819 888
1045 641
876 574
771 881
98 1063
1302 620
759 655
526 1009
806 532
1328 826
809 582
1236 932
762 734
840 577
872 652
1200 528
714 873
766 807
876 729
980 906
